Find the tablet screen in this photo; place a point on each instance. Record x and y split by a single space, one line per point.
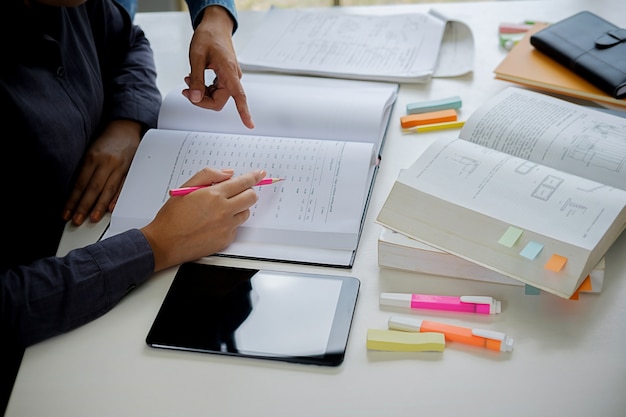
286 316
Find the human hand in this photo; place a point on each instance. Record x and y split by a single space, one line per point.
104 169
203 222
212 48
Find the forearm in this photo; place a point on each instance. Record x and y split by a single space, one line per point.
54 295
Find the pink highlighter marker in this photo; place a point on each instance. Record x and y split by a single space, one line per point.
466 303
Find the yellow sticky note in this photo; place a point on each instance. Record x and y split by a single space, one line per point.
555 263
399 341
511 236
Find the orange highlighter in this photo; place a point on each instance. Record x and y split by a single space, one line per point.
476 337
420 119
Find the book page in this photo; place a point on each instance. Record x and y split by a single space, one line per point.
553 132
517 191
293 106
383 47
319 204
456 53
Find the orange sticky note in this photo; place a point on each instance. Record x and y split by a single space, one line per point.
420 119
556 263
586 285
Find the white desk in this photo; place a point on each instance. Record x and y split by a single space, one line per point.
569 357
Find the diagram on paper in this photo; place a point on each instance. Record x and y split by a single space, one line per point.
602 146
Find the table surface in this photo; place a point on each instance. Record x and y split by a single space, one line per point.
569 356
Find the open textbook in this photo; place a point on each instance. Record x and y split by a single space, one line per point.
533 188
410 47
323 136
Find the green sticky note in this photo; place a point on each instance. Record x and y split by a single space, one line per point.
531 250
511 236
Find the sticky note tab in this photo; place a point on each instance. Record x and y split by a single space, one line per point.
555 263
531 250
586 285
429 118
399 341
434 105
513 27
509 237
530 290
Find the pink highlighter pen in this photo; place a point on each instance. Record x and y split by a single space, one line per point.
465 303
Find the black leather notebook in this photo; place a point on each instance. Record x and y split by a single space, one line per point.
591 47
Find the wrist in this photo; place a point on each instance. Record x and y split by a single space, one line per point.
216 15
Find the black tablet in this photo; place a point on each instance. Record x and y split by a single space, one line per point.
284 316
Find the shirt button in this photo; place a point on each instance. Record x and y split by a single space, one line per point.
60 71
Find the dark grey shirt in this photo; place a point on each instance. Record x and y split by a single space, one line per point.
64 73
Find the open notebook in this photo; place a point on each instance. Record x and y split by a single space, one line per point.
323 136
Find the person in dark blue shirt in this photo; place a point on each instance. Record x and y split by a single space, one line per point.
77 91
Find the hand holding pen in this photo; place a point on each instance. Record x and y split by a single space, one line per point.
186 229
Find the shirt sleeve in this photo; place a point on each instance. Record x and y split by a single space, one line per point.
56 294
128 67
197 6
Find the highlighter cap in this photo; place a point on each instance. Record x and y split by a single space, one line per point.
485 305
506 342
404 323
392 299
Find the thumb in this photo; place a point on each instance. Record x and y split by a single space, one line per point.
196 80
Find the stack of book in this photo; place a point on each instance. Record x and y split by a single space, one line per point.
397 251
533 188
525 65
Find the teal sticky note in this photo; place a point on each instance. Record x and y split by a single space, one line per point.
434 105
511 236
530 290
531 250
